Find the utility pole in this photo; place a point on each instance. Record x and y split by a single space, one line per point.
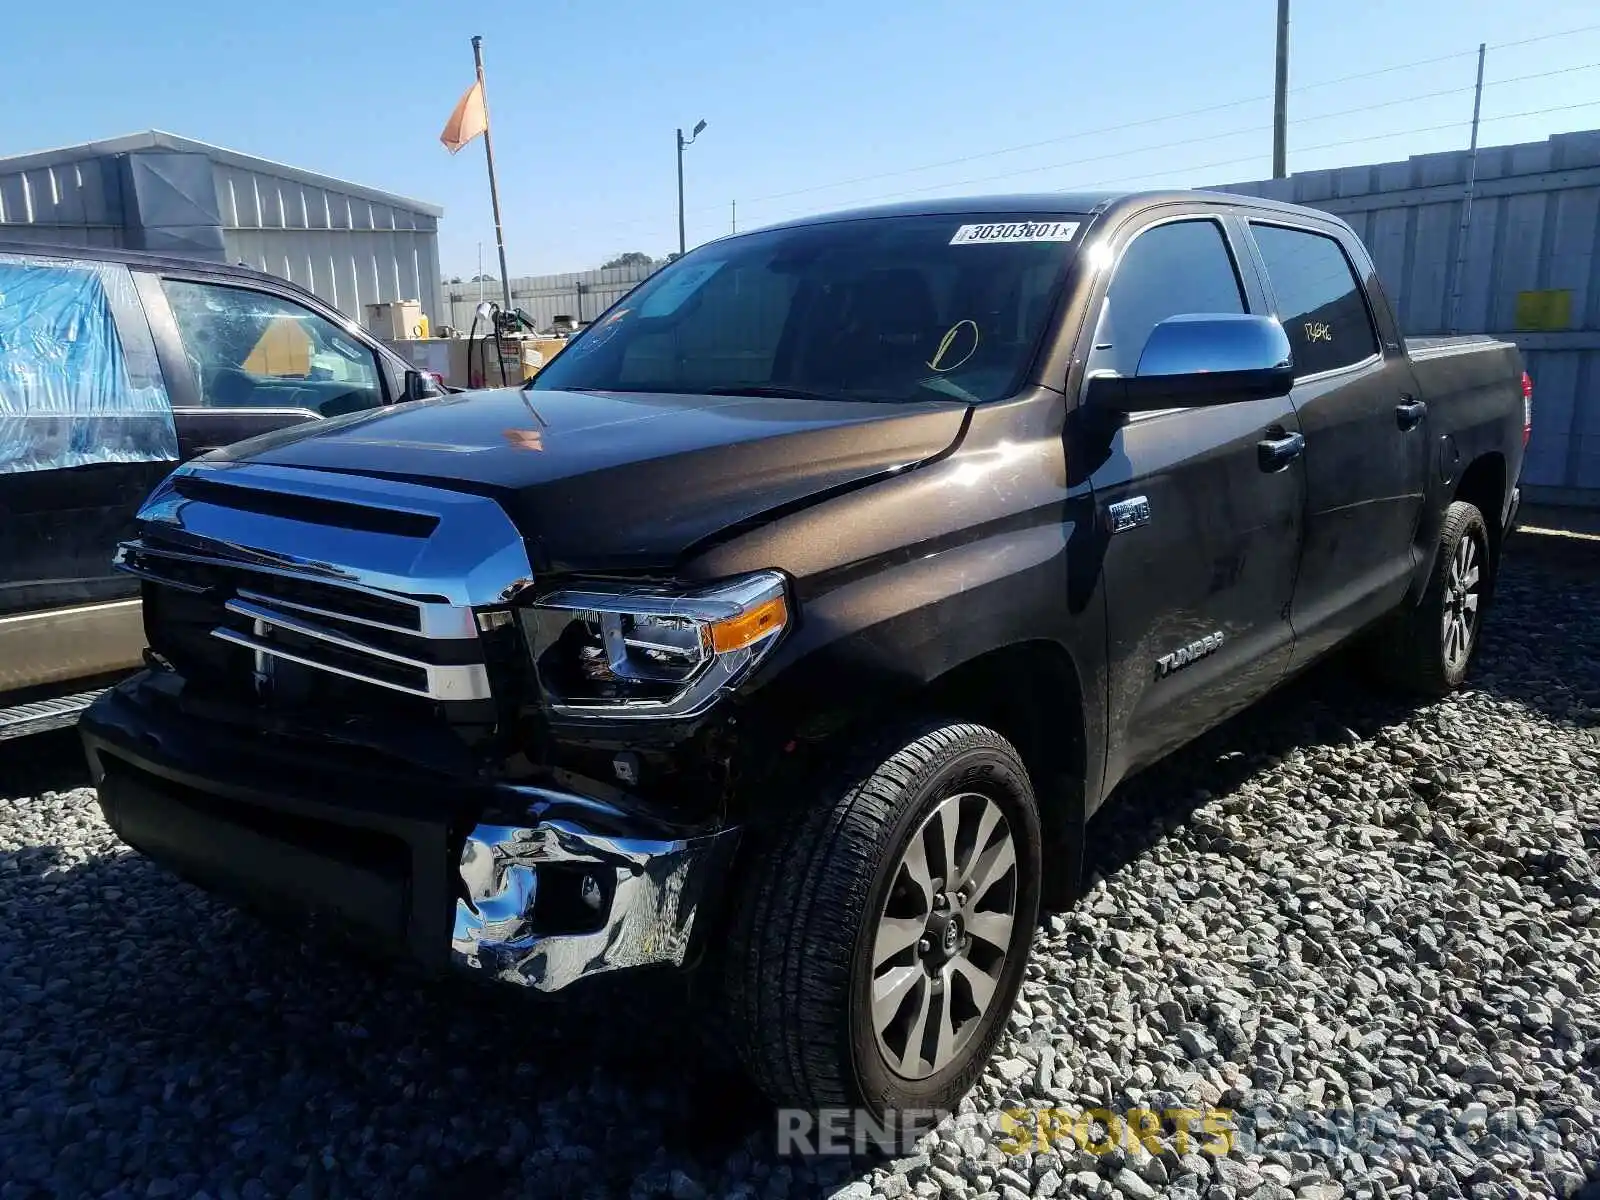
693 133
1466 199
735 205
480 272
1280 98
494 190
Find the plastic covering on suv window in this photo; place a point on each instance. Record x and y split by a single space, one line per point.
79 381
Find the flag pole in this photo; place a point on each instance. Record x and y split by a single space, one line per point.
494 190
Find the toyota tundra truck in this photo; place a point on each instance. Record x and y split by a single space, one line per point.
787 629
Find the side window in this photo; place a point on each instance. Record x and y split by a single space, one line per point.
1319 299
1168 271
79 380
255 350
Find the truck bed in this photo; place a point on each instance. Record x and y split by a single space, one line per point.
1438 346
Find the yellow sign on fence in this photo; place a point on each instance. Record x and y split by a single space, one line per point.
1544 310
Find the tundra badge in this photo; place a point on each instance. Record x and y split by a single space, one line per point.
1184 655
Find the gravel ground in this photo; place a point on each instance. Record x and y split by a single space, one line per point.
1336 904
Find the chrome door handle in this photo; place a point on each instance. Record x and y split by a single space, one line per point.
1409 412
1278 453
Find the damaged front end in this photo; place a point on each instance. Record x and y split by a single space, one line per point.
347 721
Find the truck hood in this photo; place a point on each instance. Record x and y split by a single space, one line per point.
621 480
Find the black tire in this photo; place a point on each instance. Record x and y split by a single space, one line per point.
812 908
1425 650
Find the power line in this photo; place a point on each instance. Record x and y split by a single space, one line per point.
1376 137
1428 62
1212 138
1156 120
1125 126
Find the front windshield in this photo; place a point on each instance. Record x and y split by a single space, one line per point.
884 308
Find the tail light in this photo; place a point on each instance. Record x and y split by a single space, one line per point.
1527 408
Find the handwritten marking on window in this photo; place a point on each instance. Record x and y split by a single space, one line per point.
951 338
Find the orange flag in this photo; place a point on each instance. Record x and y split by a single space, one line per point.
469 119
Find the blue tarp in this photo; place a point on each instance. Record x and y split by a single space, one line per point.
71 392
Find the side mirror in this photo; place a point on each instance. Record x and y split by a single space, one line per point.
420 385
1201 359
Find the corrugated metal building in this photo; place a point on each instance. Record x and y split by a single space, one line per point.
582 295
1529 271
351 245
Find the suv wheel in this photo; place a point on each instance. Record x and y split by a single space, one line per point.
881 939
1427 649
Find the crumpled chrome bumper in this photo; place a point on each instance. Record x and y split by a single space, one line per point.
643 880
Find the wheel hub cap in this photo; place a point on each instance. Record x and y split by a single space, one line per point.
943 935
952 936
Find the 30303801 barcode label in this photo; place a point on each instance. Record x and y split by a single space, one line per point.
1015 231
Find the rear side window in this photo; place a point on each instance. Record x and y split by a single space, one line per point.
79 382
255 350
1319 299
1171 270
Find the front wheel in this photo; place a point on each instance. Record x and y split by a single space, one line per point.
1426 649
881 939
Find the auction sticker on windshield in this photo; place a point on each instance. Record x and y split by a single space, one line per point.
1016 231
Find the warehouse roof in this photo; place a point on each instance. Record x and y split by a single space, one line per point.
156 139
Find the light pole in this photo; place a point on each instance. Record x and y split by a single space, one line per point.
1280 98
693 133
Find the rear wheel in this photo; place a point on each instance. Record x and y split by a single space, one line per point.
881 939
1427 649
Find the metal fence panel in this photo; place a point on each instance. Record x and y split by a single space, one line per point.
582 295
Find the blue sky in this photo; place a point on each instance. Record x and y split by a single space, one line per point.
810 107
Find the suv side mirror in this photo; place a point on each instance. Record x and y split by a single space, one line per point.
420 385
1200 359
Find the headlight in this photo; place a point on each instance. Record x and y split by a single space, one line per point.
622 650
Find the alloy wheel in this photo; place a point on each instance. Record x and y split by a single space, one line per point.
942 937
1462 597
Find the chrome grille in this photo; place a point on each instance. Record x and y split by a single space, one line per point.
350 595
418 647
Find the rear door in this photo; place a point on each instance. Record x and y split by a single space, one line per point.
86 429
249 359
86 432
1366 432
1202 531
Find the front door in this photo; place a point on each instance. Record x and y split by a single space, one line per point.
1202 517
255 361
1366 438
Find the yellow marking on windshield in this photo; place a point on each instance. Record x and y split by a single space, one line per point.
935 364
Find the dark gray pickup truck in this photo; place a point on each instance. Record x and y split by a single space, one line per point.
787 629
